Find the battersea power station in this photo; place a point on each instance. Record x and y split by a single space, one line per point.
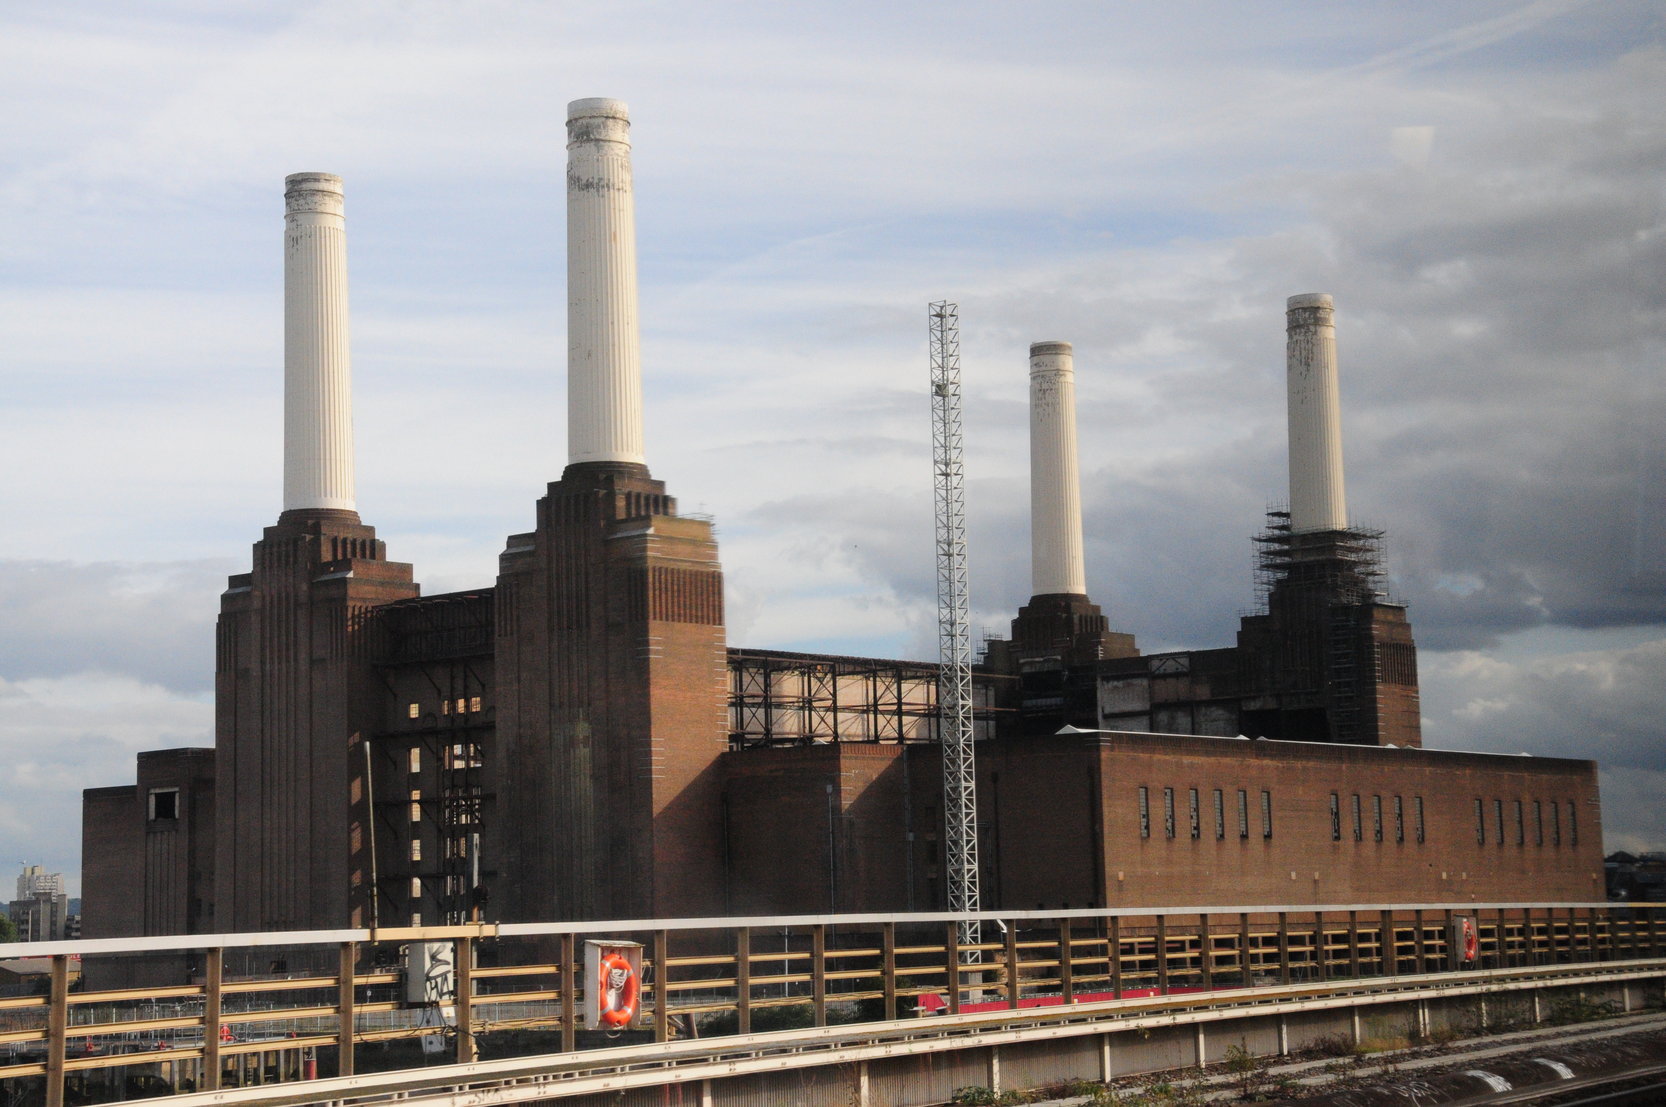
581 741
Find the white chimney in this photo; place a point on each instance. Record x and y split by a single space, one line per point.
1056 563
604 367
317 377
1317 499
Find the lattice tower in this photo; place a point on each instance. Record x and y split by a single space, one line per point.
954 635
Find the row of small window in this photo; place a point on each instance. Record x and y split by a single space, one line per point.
462 705
461 755
1519 822
1218 808
1377 818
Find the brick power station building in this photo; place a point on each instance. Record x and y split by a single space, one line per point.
581 742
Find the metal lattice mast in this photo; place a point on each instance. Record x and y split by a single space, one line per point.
954 634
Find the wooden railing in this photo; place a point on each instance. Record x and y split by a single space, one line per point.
191 1014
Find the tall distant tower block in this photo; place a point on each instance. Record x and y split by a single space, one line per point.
1060 626
1317 499
292 646
612 669
604 361
317 377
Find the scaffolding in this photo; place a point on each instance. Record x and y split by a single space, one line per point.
429 761
1332 578
779 698
1346 566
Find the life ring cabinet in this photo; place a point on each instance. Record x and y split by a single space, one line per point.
612 985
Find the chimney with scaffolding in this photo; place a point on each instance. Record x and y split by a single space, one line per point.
1331 654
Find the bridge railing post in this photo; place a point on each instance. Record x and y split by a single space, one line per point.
1206 948
569 999
1067 967
347 961
818 972
463 952
1244 949
1115 951
212 973
662 990
1284 947
1010 958
1162 950
1353 944
951 956
743 979
57 1029
888 980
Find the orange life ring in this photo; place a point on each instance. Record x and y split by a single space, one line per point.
624 1013
1471 940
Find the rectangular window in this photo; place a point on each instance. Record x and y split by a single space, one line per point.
1573 825
1376 818
1538 822
1521 825
415 759
1168 812
416 849
1145 812
164 803
1417 802
1399 819
1266 814
1498 818
1220 815
416 805
1359 821
445 707
413 711
1335 817
1480 823
1197 824
1555 823
1243 813
474 703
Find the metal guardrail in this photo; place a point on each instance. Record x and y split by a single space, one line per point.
215 1028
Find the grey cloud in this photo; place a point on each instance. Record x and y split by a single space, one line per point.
1604 705
153 622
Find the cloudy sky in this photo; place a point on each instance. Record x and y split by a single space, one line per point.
1479 185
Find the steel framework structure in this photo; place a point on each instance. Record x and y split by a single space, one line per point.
954 635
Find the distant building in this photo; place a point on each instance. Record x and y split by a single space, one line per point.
41 910
1638 878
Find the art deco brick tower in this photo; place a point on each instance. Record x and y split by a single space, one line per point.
611 663
294 693
1332 660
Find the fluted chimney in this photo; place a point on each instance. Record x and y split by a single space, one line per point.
1060 625
1317 499
604 368
1056 563
318 399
